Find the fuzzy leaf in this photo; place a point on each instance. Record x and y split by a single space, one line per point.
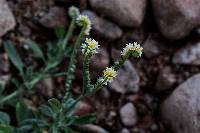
87 119
46 110
22 112
6 129
13 55
4 118
60 32
55 105
36 49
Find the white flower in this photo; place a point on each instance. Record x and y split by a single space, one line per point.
135 48
90 46
109 74
83 20
73 12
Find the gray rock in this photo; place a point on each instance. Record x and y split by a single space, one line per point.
133 35
165 80
103 27
128 115
125 13
7 21
104 93
4 70
90 128
181 110
127 79
83 108
55 17
124 131
188 55
176 18
151 46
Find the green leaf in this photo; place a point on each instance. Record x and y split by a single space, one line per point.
47 111
1 89
13 55
60 32
22 112
4 118
30 123
55 105
6 129
69 130
87 119
36 49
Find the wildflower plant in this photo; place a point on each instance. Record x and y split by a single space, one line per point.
58 115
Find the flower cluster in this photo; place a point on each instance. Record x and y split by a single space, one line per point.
73 12
83 20
108 75
135 49
90 46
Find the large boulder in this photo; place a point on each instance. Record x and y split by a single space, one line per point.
176 18
7 20
128 13
181 110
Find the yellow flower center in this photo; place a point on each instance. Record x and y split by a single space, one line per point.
91 45
108 74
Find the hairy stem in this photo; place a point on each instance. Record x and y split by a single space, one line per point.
86 76
69 33
72 63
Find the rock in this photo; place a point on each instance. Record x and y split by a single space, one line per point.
104 28
188 55
151 46
83 108
4 79
48 86
181 110
127 79
54 18
165 80
4 63
133 35
7 21
4 70
98 63
176 18
104 93
90 128
128 115
124 131
128 13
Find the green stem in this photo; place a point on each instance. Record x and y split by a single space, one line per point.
116 67
69 33
10 96
72 63
86 75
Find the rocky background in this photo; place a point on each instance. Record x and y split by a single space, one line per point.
159 93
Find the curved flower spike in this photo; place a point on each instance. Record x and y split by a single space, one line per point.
83 20
135 49
73 12
108 75
90 47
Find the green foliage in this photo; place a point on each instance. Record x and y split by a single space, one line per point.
4 118
58 115
13 56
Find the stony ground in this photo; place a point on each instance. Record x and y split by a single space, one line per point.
157 94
